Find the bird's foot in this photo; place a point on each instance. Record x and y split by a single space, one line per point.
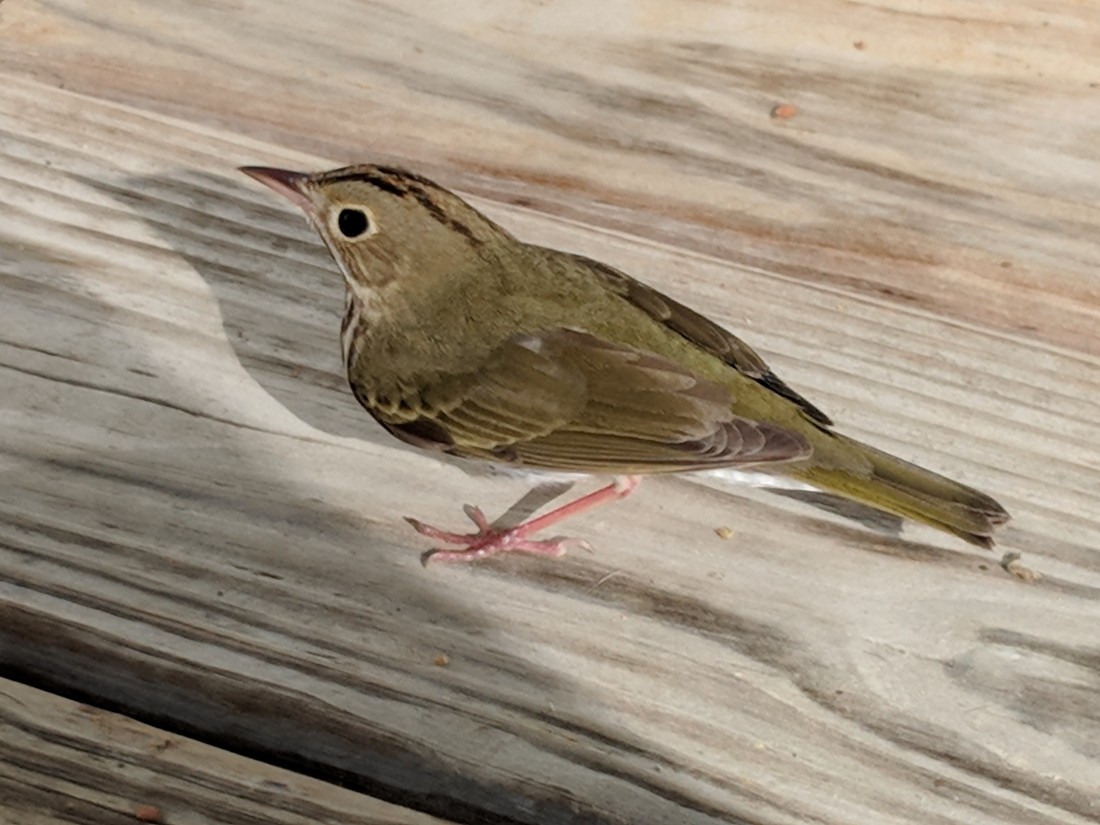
487 541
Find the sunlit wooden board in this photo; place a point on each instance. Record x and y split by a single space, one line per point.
200 527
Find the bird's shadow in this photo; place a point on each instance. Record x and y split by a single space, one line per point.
279 294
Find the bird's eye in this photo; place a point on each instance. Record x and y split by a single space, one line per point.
353 223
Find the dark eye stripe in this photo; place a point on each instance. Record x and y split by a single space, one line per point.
383 183
388 180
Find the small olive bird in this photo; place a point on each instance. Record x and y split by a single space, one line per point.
460 338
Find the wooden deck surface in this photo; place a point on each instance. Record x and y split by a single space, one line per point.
61 761
200 530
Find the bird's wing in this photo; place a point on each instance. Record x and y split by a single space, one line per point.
702 332
567 400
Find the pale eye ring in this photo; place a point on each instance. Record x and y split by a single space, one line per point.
353 223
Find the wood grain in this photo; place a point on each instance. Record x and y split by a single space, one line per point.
61 761
200 529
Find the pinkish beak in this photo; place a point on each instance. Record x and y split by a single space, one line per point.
290 185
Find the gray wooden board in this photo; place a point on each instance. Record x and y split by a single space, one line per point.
198 526
61 761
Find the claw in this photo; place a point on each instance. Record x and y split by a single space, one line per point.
435 533
475 515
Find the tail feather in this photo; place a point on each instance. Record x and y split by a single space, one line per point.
907 490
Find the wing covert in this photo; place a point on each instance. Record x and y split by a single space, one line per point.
564 399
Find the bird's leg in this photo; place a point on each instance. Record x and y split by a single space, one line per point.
487 541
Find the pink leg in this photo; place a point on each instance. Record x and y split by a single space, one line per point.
487 541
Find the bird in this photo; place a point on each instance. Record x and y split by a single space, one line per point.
459 338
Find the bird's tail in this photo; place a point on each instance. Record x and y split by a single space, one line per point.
907 490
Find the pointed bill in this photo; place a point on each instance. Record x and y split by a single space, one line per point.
289 184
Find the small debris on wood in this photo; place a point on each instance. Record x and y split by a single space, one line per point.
441 660
1010 562
147 813
723 532
784 111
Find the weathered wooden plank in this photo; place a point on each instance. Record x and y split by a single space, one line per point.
947 163
61 761
199 526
